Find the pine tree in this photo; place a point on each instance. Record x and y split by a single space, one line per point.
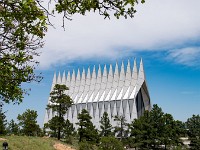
13 128
68 128
54 124
105 126
157 122
193 126
155 128
28 122
141 132
121 129
3 121
86 128
60 102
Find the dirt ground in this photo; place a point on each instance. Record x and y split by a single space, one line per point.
59 146
2 139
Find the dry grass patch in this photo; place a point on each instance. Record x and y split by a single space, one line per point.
59 146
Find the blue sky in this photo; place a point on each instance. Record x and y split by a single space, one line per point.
165 34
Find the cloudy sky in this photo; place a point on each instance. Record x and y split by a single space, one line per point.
166 34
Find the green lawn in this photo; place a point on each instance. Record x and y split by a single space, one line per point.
28 143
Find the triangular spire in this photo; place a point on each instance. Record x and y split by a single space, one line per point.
93 80
122 72
94 72
109 111
76 93
54 78
96 117
82 84
83 75
134 111
141 65
141 77
103 84
68 77
72 84
109 81
78 77
73 76
127 79
113 115
59 78
110 74
88 73
64 78
54 81
116 73
104 77
68 81
87 85
121 80
134 78
97 84
135 71
99 75
127 112
115 81
128 73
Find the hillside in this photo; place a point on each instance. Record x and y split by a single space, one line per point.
33 143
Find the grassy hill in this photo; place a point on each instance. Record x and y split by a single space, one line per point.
28 143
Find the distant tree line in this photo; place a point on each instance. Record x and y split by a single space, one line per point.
153 130
27 124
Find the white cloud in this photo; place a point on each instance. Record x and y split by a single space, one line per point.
188 56
158 25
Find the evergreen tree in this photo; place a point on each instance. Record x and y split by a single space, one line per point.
141 132
28 122
54 124
68 129
155 128
121 129
13 128
105 126
193 127
170 136
3 121
59 103
86 128
110 143
157 122
181 128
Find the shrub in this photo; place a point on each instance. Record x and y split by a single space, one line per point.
110 143
86 146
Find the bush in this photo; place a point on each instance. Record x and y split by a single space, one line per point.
110 143
69 139
86 146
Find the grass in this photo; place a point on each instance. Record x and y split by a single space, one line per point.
29 143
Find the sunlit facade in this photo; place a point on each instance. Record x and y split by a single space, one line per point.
115 90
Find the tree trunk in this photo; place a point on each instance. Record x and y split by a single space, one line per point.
80 138
121 130
59 128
